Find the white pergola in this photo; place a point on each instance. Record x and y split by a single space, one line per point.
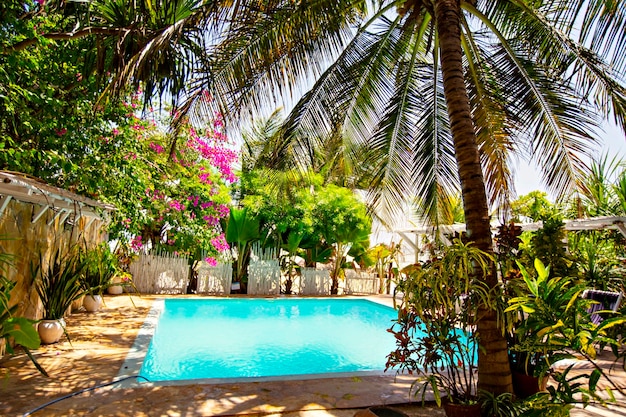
412 236
65 204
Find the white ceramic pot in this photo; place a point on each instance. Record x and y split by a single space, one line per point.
92 303
115 289
50 331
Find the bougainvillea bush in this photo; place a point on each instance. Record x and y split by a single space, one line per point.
179 195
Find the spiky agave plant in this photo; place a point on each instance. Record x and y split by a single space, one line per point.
57 284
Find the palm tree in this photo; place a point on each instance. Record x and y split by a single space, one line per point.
601 192
445 90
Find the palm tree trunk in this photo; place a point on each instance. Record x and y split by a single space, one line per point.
494 372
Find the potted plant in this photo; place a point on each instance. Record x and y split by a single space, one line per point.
434 331
57 284
556 321
97 275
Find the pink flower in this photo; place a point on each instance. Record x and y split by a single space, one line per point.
136 244
176 205
223 210
204 178
211 261
219 243
61 132
156 147
115 131
211 220
194 200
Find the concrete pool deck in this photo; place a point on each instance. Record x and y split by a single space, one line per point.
100 343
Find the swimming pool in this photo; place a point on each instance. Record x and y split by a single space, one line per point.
261 338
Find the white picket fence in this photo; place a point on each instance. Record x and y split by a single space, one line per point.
164 273
263 271
314 281
167 273
360 282
264 277
214 279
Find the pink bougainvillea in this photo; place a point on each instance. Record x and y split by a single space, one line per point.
136 244
211 261
184 195
156 147
176 205
219 243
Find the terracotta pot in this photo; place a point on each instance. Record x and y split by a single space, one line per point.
115 289
461 410
50 331
92 303
527 385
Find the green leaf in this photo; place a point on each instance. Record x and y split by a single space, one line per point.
593 379
22 331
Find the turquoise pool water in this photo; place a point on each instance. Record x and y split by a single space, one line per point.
240 338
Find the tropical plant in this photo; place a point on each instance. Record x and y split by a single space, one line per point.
294 238
100 268
595 257
555 322
599 191
549 245
503 405
343 221
533 206
558 400
242 230
435 331
527 354
57 281
19 330
384 256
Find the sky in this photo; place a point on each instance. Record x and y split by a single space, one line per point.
527 177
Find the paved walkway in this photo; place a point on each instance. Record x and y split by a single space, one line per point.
99 345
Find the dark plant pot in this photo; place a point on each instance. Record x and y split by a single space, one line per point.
461 410
527 385
380 411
